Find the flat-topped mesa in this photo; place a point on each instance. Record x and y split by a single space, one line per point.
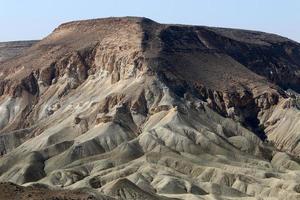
185 57
119 31
153 108
161 45
212 57
239 73
111 21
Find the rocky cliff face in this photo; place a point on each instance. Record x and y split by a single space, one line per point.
133 109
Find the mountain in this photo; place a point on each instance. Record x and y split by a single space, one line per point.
127 108
11 49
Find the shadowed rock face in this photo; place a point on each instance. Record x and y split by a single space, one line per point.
133 109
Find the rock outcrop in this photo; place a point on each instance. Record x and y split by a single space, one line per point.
133 109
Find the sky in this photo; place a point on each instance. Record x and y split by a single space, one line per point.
35 19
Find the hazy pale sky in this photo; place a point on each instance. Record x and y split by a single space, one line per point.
34 19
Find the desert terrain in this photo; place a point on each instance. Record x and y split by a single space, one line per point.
128 108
